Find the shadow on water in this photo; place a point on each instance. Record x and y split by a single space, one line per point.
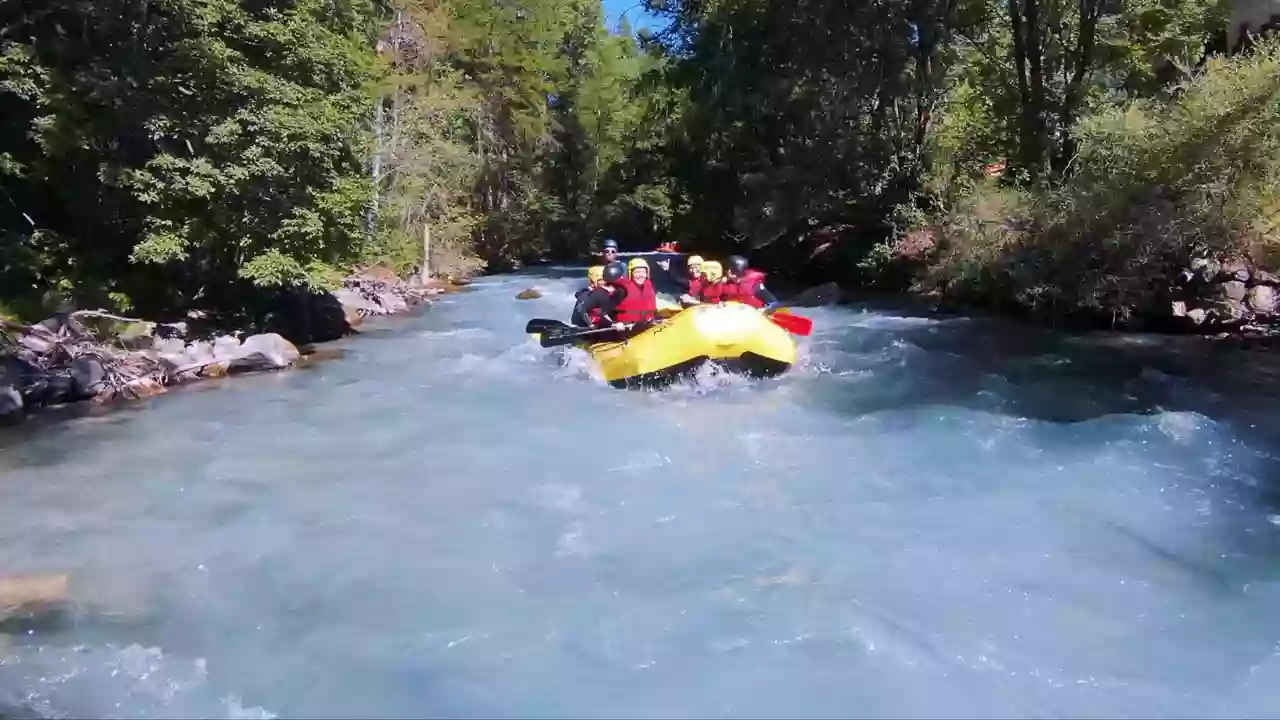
992 366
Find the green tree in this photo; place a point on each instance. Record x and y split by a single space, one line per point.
162 152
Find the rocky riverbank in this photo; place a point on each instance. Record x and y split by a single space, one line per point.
93 355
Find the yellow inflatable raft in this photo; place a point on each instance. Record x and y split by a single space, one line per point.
734 336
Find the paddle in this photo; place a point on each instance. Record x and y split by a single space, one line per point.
540 326
555 333
569 338
794 324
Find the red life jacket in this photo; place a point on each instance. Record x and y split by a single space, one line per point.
695 286
711 292
640 304
744 291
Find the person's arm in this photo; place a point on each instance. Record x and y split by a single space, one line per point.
615 299
766 297
593 300
581 310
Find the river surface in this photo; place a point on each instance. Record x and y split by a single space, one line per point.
929 517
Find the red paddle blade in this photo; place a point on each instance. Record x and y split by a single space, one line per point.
794 324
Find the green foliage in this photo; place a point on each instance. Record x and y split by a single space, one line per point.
160 148
1157 183
153 156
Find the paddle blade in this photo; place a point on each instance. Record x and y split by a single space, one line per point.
538 326
556 340
569 336
794 324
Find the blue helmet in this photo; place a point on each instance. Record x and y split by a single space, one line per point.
610 243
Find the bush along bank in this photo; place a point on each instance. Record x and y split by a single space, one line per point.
1169 219
93 355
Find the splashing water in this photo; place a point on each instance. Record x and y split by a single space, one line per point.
926 517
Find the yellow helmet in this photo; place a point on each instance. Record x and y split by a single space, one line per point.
636 263
693 260
712 271
595 273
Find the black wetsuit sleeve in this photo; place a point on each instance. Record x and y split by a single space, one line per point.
595 300
582 309
618 295
764 296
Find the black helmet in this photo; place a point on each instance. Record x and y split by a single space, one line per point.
736 266
614 271
610 243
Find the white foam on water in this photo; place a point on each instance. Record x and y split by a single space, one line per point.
914 521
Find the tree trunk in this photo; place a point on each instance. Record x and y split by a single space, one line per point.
426 252
379 119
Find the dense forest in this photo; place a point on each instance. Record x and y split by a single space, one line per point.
1041 155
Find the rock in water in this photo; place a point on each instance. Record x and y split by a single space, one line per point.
215 370
1262 299
354 300
392 304
33 599
264 352
10 402
529 294
1233 290
87 374
29 380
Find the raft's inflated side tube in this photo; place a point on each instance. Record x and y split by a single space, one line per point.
736 337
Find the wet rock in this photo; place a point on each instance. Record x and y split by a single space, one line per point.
1237 270
10 402
1262 299
1178 309
1262 277
30 381
304 317
392 303
1228 311
143 388
353 299
1197 316
31 599
1233 290
529 294
215 369
87 375
353 317
1206 269
269 351
36 344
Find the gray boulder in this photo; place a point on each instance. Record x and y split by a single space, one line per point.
10 402
87 375
269 351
